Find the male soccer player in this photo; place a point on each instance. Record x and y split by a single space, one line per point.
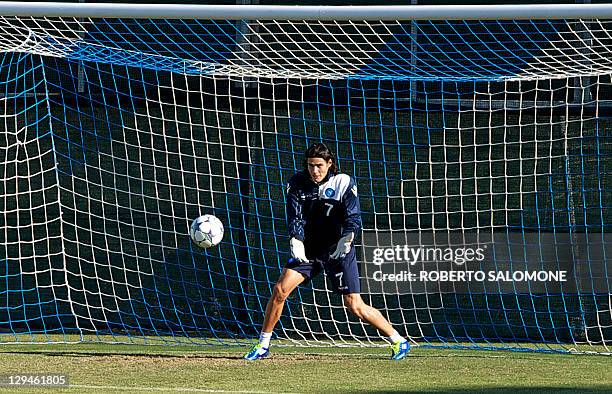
323 216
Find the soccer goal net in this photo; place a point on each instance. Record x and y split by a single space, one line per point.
482 151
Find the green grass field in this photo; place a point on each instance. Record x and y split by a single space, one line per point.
104 368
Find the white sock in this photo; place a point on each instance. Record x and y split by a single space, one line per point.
264 339
395 337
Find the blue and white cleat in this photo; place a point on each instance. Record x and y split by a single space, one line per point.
257 352
399 350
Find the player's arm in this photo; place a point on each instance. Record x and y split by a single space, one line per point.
350 204
295 221
352 221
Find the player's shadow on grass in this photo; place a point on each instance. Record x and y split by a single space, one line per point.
203 356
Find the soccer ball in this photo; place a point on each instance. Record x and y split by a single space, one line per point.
206 231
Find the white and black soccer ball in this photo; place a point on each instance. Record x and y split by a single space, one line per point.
206 231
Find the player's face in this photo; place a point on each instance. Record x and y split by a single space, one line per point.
318 168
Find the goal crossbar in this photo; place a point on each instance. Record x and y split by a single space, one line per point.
322 13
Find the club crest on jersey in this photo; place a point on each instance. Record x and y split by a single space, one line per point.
329 192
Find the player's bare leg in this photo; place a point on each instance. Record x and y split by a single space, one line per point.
365 312
399 345
288 281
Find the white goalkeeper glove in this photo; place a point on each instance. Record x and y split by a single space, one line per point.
343 247
297 250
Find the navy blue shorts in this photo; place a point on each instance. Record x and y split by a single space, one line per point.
343 272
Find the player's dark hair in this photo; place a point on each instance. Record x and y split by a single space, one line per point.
320 150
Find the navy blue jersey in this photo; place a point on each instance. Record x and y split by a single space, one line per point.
320 214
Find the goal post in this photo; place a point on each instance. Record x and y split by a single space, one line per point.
479 138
